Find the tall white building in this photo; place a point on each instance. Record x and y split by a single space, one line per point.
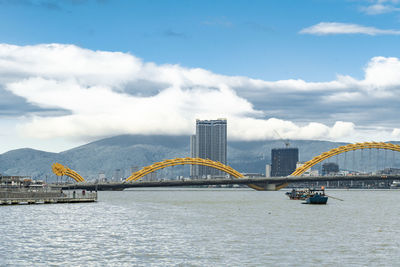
193 168
210 142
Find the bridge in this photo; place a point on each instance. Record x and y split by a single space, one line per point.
258 183
244 181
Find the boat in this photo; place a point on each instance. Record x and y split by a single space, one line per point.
317 196
298 194
311 196
395 185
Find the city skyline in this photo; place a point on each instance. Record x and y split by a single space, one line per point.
72 71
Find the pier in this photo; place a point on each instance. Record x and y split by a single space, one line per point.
21 196
16 190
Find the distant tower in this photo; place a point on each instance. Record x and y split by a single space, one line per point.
117 175
284 161
267 171
210 142
330 168
193 168
102 177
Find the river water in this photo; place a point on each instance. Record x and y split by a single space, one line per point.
205 227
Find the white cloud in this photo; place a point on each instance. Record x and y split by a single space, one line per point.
99 111
383 72
259 129
396 133
103 96
62 62
341 129
378 9
328 28
381 7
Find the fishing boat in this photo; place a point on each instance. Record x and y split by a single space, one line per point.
301 194
316 196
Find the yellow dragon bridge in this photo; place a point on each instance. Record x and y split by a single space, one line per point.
343 149
183 161
60 170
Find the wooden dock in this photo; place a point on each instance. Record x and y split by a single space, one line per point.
21 198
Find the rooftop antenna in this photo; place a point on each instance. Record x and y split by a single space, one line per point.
286 142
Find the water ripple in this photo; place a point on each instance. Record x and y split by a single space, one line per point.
204 228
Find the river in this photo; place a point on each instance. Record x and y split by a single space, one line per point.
205 227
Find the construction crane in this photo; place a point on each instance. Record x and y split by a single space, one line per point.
286 142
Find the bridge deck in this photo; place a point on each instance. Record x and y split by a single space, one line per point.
246 181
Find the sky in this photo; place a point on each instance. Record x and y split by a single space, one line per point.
75 71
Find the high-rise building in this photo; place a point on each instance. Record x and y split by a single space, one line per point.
284 161
117 175
268 170
193 168
210 142
330 168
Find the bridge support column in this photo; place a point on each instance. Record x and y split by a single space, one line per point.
267 186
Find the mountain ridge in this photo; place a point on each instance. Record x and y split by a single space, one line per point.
118 156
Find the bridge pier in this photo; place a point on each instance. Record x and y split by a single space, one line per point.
267 186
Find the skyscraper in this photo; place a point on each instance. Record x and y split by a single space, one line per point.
284 161
193 168
329 168
209 143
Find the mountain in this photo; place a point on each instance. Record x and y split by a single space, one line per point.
126 153
120 155
28 162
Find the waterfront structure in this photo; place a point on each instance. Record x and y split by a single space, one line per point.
389 171
210 142
284 161
23 190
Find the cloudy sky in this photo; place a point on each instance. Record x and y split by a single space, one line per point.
74 71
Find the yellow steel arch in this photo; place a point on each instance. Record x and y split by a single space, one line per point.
342 149
61 170
182 161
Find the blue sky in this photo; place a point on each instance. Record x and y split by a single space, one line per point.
263 42
258 39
